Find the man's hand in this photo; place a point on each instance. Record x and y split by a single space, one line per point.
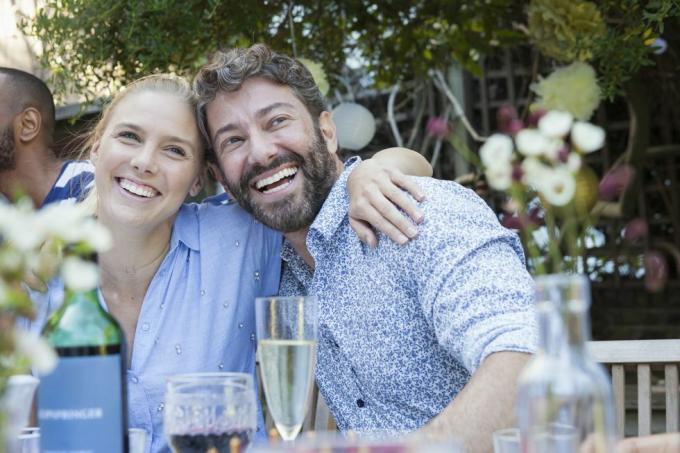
486 404
659 443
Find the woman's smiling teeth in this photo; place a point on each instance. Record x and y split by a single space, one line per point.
278 181
137 189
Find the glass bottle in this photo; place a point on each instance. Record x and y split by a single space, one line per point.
82 403
564 397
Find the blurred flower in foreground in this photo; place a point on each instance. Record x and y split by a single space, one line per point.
437 127
558 91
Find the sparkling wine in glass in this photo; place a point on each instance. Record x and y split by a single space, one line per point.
210 412
286 350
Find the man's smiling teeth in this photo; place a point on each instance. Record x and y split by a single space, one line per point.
276 177
142 191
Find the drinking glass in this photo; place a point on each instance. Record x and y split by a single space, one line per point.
555 438
28 440
506 441
286 349
213 412
136 440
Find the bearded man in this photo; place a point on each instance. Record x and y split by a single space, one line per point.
427 336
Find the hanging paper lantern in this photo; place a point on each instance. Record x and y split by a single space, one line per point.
355 125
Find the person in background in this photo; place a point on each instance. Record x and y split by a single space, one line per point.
28 164
173 264
427 336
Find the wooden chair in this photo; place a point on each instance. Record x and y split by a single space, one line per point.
643 356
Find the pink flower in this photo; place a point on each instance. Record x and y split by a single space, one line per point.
437 127
507 118
636 230
535 116
615 181
656 271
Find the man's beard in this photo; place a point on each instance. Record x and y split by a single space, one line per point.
295 212
7 157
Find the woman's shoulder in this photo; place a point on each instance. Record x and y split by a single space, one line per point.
219 216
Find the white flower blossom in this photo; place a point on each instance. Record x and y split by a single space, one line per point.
79 275
64 221
531 142
499 175
497 148
558 187
553 148
574 162
534 171
42 356
555 124
587 137
96 235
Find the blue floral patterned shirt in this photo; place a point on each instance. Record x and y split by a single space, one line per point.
402 328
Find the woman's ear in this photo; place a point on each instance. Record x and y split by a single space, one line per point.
94 152
198 183
328 131
215 172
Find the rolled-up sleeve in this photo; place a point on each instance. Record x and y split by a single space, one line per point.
476 291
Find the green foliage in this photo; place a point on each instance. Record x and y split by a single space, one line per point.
93 46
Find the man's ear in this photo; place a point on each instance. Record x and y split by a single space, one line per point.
30 124
328 131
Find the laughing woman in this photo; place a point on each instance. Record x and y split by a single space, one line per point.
181 278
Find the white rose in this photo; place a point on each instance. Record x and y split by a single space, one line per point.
558 187
499 175
587 137
531 142
555 124
79 275
497 148
42 356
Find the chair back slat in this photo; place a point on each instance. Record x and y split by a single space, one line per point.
619 385
643 356
672 407
644 400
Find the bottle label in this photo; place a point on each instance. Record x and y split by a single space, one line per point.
81 406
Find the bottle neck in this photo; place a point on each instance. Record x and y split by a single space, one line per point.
562 305
88 298
562 328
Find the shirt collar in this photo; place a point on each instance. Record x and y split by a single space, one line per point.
185 229
336 206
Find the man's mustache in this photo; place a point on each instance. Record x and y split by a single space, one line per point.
257 169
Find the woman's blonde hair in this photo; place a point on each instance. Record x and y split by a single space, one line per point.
164 83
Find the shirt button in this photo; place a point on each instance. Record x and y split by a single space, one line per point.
134 379
360 403
145 327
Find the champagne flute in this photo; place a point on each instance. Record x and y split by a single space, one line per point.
286 348
210 412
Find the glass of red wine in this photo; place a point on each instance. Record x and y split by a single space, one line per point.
210 412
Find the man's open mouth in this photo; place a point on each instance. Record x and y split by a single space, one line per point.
140 190
278 181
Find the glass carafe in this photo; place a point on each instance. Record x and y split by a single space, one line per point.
562 385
